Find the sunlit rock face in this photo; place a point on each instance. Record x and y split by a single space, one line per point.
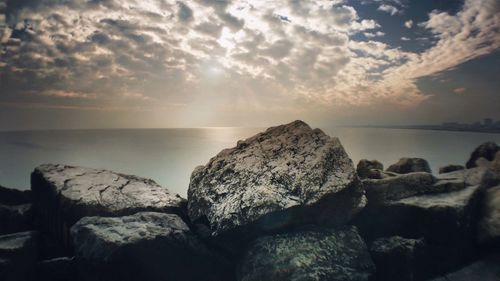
144 246
64 194
287 175
312 254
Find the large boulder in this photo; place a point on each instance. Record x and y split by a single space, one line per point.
369 168
18 255
144 246
310 254
15 218
450 168
486 150
410 165
396 258
64 194
489 225
287 175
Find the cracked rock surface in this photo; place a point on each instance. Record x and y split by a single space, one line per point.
64 194
286 168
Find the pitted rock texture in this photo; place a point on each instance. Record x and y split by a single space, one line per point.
286 167
144 246
311 254
410 165
64 194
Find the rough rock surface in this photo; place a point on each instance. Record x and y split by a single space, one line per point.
379 191
10 196
486 269
410 165
314 254
64 194
486 150
365 168
144 246
15 218
489 225
450 168
18 254
396 258
289 174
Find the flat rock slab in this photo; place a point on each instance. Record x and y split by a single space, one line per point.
289 174
144 246
316 254
64 194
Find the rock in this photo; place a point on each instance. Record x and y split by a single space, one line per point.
18 254
144 246
495 165
10 196
287 175
486 150
379 191
396 258
489 225
365 168
57 269
450 168
64 194
487 269
15 218
310 254
410 165
463 178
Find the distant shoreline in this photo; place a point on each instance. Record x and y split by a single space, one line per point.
438 128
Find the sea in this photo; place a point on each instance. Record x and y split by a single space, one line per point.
168 156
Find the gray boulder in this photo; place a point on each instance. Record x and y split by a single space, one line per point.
486 150
287 175
369 168
64 194
397 258
450 168
15 218
18 255
410 165
489 225
310 254
144 246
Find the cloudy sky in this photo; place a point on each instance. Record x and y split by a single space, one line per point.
167 63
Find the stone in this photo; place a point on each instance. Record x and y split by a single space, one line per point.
18 255
450 168
144 246
16 218
365 167
486 269
486 150
10 196
308 254
57 269
64 194
287 175
489 225
396 258
410 165
379 191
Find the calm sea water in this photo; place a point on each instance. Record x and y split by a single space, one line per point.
169 155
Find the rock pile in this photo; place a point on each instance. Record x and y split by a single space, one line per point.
285 204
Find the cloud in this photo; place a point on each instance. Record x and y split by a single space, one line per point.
405 38
459 90
389 9
409 24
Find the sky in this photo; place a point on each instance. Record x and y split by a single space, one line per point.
166 63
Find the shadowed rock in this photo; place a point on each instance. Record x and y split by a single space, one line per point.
64 194
410 165
450 168
486 150
145 246
310 254
15 218
57 269
18 254
289 174
486 269
365 168
489 225
10 196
